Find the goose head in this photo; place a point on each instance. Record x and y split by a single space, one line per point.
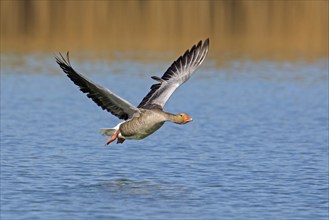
182 118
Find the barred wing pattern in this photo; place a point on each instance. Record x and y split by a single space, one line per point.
178 73
103 97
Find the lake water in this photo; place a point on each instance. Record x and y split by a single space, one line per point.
257 147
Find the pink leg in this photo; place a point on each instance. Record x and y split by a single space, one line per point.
113 137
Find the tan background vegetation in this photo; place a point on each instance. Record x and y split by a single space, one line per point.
257 29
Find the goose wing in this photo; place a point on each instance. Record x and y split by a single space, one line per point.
178 73
103 97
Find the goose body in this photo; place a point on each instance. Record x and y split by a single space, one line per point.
143 120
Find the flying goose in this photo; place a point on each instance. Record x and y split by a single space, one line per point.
141 121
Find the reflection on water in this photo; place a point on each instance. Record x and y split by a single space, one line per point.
271 29
127 187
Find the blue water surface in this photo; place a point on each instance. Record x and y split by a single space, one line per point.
256 149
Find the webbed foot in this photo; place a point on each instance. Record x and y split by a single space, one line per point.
120 140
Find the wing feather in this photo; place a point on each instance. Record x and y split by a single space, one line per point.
103 97
178 73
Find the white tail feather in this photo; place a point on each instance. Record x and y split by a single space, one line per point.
108 131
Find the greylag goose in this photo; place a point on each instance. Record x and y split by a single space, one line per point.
143 120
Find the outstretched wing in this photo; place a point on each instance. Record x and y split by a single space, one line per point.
178 73
103 97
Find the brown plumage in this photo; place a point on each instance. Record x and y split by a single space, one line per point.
149 116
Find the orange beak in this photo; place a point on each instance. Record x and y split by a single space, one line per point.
187 119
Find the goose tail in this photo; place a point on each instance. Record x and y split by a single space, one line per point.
108 131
